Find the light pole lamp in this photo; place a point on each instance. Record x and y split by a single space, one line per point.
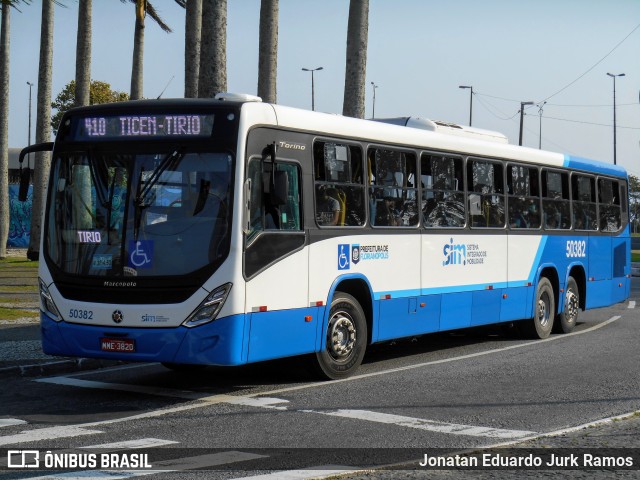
470 101
614 111
373 114
313 101
522 105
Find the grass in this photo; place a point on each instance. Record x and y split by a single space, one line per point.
18 262
19 289
16 313
635 255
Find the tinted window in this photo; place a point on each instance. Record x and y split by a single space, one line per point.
339 188
486 193
393 191
442 191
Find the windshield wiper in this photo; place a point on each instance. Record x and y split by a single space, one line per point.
168 162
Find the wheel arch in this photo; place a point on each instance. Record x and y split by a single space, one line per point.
359 288
550 273
578 273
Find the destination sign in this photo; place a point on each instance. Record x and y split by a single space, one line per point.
139 126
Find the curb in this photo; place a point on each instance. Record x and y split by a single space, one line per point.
56 367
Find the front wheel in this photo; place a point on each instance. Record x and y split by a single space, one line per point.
544 309
569 317
346 339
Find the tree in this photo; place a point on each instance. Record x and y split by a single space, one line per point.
356 67
4 127
192 34
99 92
268 48
213 49
143 7
43 127
83 54
634 202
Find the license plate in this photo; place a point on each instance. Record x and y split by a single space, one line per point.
117 345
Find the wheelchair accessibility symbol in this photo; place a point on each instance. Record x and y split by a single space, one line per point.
344 252
141 253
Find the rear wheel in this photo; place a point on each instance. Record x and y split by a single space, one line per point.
544 308
346 339
569 317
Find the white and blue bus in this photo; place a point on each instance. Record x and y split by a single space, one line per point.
228 231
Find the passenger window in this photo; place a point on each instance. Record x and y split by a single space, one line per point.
523 190
583 191
486 194
609 204
556 208
339 188
393 190
442 191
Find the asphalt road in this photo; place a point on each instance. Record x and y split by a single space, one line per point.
438 394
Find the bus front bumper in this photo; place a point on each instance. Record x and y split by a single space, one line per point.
220 342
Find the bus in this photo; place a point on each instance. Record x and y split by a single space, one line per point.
228 231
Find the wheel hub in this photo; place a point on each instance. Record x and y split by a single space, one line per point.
342 336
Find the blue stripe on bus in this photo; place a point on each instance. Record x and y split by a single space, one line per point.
593 166
533 274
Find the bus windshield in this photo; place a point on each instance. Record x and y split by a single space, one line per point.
114 213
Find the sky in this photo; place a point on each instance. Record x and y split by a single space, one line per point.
419 53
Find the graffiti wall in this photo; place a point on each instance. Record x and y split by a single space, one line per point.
20 218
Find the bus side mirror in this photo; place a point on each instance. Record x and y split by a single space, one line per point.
246 211
280 190
25 173
25 181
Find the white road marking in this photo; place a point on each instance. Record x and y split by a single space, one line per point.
123 387
324 471
97 474
140 443
262 402
48 433
8 422
422 424
164 466
217 399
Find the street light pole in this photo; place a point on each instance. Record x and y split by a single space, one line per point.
540 105
29 132
470 101
522 105
614 112
313 104
29 137
373 115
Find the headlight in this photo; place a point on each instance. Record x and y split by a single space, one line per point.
46 303
208 310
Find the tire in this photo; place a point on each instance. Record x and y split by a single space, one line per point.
569 317
346 339
544 308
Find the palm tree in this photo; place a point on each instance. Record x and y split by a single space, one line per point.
143 7
212 78
4 126
192 34
268 59
356 68
43 127
83 53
